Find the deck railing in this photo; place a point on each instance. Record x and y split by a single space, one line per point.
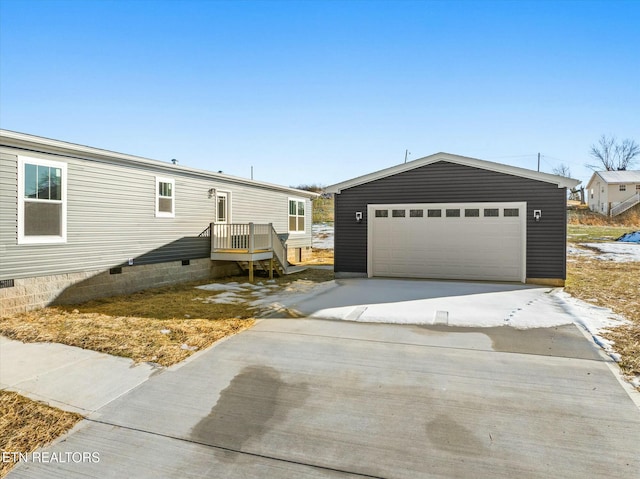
247 237
625 205
279 247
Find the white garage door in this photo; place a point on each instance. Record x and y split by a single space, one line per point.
477 241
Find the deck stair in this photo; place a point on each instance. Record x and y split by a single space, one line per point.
255 247
625 205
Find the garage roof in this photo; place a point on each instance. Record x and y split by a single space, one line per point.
561 181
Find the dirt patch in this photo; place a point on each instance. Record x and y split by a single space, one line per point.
26 425
611 285
320 257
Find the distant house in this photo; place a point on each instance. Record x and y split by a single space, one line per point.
446 216
613 192
78 222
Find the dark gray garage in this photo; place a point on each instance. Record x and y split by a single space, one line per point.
452 217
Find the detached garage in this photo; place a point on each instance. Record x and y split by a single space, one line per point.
451 217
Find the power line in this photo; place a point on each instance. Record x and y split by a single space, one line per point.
512 156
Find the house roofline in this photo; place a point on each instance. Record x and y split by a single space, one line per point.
561 181
13 139
628 182
593 176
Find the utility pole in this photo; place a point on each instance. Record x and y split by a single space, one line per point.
252 172
406 154
538 161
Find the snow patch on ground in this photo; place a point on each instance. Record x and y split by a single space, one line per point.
323 235
264 298
572 250
594 319
618 252
521 309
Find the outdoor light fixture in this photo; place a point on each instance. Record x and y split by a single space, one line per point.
358 216
537 214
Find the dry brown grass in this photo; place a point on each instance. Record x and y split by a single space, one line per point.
26 425
164 342
145 326
612 285
320 257
596 233
162 325
586 217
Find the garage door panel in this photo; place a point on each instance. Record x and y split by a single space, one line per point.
465 247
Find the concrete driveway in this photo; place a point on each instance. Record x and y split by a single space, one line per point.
456 303
295 398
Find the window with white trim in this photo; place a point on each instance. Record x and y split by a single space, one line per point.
296 216
42 201
623 187
165 197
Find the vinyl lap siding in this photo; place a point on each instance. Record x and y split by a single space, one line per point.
445 182
8 204
266 206
111 217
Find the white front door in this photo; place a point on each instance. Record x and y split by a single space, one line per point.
222 207
476 241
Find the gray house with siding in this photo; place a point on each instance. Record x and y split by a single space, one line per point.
78 222
451 217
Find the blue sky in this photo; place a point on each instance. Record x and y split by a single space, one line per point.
322 91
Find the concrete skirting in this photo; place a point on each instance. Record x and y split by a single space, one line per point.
78 287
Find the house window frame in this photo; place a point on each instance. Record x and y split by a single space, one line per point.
166 214
622 187
297 216
41 239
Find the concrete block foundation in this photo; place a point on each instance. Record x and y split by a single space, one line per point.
69 288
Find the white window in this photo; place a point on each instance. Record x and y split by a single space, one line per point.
637 187
623 187
165 198
296 216
42 201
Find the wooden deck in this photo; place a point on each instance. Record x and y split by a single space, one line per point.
226 254
250 245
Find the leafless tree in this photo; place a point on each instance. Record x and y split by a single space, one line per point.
562 170
611 155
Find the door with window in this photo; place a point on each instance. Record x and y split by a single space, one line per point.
222 207
223 235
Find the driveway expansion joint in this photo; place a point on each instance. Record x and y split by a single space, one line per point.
246 453
601 358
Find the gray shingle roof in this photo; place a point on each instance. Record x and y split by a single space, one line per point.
629 176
